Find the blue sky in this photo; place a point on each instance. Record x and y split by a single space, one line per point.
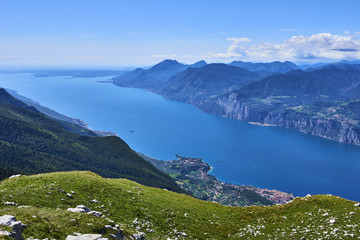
114 33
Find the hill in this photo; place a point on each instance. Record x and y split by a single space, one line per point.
212 79
154 78
31 142
322 102
161 214
266 68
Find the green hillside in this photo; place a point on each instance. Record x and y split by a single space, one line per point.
161 214
32 143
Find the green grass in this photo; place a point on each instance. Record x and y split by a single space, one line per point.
167 213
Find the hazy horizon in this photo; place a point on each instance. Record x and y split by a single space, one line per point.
140 33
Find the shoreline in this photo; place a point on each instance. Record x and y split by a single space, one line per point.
262 124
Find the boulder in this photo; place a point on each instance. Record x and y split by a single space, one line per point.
17 227
79 209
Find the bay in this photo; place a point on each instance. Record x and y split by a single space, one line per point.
240 153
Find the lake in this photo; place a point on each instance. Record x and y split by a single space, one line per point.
267 157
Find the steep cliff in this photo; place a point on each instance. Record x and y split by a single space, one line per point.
342 129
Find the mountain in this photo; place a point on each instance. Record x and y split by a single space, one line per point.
154 78
272 67
198 64
206 81
6 98
71 124
50 206
321 102
31 142
331 81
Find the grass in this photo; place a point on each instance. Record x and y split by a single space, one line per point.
161 214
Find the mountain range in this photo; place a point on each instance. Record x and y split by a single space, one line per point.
321 100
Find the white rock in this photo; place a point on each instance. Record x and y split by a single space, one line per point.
69 195
10 203
86 237
94 201
352 213
332 221
5 233
139 236
95 213
17 226
357 204
79 209
83 207
15 176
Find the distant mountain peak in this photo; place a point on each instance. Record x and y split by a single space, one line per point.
198 64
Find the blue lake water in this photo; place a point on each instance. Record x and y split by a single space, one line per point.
268 157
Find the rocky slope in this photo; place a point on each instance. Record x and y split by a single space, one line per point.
192 174
72 205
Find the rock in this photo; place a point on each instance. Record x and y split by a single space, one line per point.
94 201
79 209
117 231
17 227
135 221
352 213
139 236
308 195
332 221
86 237
357 204
72 192
15 176
10 203
69 195
95 213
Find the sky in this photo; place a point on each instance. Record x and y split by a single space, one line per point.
118 33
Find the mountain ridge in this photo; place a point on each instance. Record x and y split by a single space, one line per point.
30 142
320 102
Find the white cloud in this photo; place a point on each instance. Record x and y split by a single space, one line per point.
321 45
